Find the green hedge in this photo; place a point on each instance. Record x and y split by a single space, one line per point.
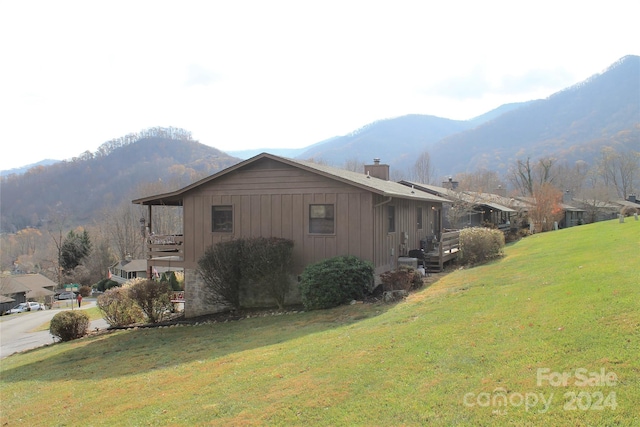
335 281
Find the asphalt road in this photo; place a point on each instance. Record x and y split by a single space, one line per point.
16 329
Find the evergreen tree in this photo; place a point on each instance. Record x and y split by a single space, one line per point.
75 248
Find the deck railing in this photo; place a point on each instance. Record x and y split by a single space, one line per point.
165 245
446 249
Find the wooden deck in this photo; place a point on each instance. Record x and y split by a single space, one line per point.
446 250
165 248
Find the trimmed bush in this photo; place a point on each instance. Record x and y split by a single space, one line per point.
479 245
118 309
69 325
335 281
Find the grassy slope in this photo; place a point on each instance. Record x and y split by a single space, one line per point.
562 300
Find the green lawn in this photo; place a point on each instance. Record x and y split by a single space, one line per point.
482 346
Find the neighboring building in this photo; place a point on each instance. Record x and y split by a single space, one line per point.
17 288
630 202
125 270
326 212
571 216
469 208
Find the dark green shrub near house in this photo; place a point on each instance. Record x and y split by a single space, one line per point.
221 270
69 325
106 284
479 244
268 265
248 266
335 281
172 280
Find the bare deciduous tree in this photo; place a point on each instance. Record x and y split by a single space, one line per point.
121 226
619 170
526 176
354 165
482 181
423 171
595 200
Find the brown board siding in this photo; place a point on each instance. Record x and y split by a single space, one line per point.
390 246
277 204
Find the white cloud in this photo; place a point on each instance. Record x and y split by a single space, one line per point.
248 74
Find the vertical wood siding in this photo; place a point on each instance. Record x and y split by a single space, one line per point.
389 246
270 199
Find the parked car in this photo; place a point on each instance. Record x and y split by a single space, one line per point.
25 306
66 295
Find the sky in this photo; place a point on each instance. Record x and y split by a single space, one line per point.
282 74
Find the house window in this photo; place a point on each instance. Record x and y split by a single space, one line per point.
419 216
321 219
391 212
222 219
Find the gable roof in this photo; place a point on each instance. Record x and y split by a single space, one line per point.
34 281
34 285
133 265
472 197
12 286
360 180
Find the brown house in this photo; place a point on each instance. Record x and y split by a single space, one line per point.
326 212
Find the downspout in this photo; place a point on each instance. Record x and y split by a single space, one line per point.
384 202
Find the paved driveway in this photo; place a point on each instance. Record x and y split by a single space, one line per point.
16 329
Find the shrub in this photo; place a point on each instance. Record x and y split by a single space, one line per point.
85 291
221 270
106 284
229 267
268 265
118 309
335 281
629 210
478 245
173 282
69 325
153 298
404 278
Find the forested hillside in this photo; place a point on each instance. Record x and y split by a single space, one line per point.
120 169
574 124
398 141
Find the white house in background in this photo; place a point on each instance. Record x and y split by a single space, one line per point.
125 270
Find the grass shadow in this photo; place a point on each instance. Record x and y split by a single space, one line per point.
135 351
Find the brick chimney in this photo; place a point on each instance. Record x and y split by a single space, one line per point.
500 191
377 170
632 198
451 184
